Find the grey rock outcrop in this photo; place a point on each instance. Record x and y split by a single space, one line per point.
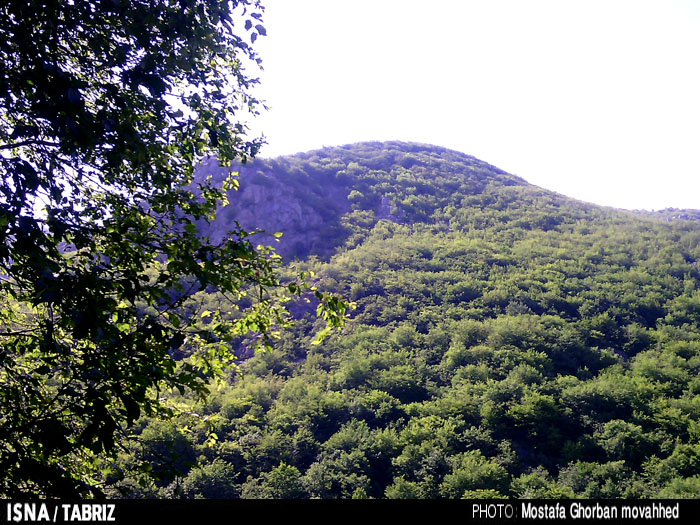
264 202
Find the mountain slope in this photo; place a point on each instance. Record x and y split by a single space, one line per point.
507 340
318 199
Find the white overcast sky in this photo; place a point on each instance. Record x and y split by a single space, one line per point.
598 100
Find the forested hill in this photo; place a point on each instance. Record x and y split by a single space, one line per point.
507 341
323 198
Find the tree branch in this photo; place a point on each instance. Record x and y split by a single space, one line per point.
29 142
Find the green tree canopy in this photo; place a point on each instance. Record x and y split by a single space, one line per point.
106 106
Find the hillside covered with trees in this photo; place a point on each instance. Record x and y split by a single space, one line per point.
506 341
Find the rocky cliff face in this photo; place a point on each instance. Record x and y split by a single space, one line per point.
264 201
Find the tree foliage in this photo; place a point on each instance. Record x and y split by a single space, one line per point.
106 106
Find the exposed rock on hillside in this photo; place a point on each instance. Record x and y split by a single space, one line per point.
265 201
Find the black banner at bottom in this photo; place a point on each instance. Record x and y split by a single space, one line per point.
325 511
